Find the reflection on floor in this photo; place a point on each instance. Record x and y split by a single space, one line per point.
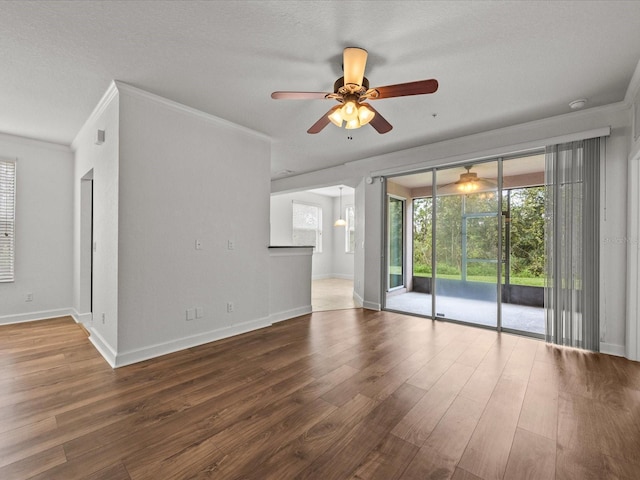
332 294
517 317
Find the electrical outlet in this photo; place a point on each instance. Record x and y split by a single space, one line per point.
230 245
29 297
199 312
191 313
103 318
230 307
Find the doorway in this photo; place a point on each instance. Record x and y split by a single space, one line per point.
476 249
395 243
86 246
308 218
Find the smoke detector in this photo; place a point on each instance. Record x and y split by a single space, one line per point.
578 104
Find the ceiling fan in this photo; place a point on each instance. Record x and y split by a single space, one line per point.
351 92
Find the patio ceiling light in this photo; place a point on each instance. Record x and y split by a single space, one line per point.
469 182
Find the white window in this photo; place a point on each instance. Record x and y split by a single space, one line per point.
7 219
307 225
350 230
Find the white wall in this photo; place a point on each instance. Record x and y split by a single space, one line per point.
373 273
492 143
44 226
187 176
289 282
358 256
103 160
613 229
632 240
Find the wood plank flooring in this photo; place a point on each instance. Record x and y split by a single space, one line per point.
349 394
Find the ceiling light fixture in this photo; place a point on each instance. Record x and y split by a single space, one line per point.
469 182
340 222
352 90
351 113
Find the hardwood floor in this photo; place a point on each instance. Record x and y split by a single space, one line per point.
348 394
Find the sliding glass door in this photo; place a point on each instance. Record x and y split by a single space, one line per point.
467 245
523 204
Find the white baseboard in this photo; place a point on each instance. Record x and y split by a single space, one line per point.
152 351
342 276
83 318
287 314
358 299
371 306
326 276
321 277
33 316
103 347
612 349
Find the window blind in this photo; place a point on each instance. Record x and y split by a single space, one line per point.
350 231
307 225
7 219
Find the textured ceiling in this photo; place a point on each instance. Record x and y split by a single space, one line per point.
498 64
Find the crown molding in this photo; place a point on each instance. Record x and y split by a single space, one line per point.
104 102
634 86
33 142
179 107
506 131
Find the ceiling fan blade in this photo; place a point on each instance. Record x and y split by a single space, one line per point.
420 87
354 61
379 122
323 121
299 95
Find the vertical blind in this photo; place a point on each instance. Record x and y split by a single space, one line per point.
7 219
572 224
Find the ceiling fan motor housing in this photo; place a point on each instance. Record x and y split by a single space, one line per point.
340 87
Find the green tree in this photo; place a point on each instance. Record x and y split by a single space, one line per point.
526 225
527 232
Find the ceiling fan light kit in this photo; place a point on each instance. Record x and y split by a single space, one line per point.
469 182
354 115
352 90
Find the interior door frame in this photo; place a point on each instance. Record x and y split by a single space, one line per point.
388 198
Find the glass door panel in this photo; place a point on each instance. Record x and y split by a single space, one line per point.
422 245
467 230
523 245
395 267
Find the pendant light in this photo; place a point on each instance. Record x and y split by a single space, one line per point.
340 222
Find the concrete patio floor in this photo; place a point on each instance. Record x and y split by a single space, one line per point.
516 317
